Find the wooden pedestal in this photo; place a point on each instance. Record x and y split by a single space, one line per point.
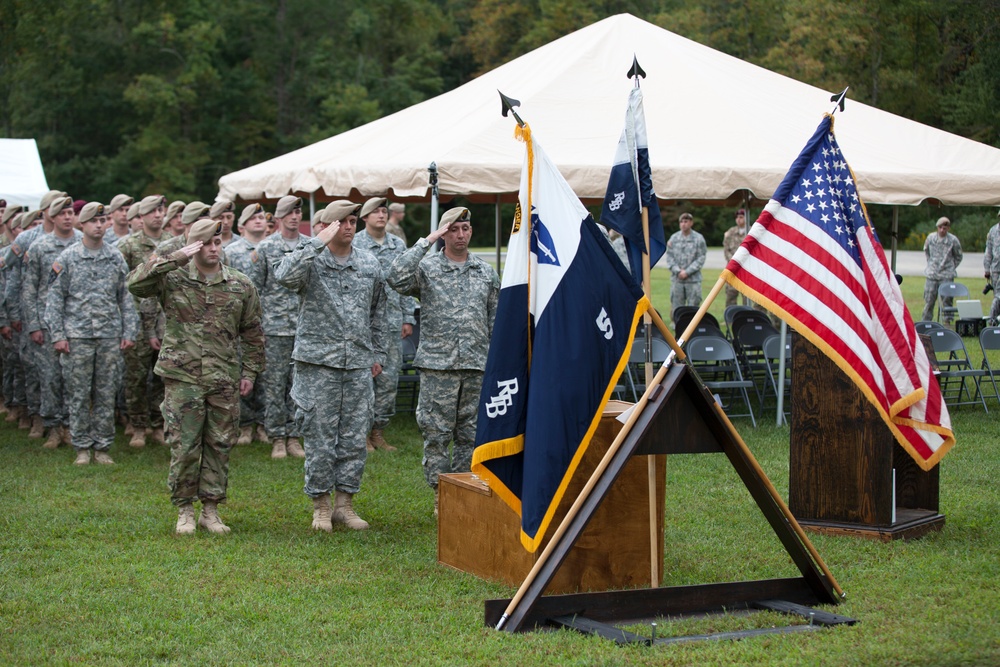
479 534
842 460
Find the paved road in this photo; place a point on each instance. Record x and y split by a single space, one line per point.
908 263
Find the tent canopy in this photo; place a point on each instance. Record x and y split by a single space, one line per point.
22 178
716 126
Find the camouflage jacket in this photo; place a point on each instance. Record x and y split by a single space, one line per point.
686 253
169 244
209 323
732 240
136 249
991 258
399 309
88 297
243 256
396 230
943 256
14 262
342 321
280 304
457 306
113 239
38 264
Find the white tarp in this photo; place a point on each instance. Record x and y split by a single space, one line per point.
22 179
716 125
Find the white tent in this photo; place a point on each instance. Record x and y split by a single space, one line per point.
22 179
716 125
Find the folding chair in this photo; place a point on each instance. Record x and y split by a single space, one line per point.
730 312
743 318
715 361
707 330
926 327
408 385
950 291
989 341
686 317
772 359
956 369
749 346
636 367
681 311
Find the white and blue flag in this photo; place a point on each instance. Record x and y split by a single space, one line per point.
630 187
565 322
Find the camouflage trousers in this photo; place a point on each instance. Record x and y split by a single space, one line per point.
447 410
143 388
32 383
930 299
995 306
201 423
13 371
279 375
91 371
53 404
334 409
684 293
252 406
386 385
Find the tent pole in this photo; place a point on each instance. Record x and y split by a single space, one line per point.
433 178
312 208
497 210
895 234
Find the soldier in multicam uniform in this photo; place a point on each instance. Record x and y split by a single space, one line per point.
991 264
458 295
686 252
943 252
13 372
173 223
118 214
190 214
281 313
91 319
213 318
731 242
242 255
143 394
224 211
39 262
399 311
340 342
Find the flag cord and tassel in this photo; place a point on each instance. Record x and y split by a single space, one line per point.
789 517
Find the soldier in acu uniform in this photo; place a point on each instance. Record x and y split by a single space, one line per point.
458 295
399 311
991 266
340 344
118 214
213 319
943 252
91 319
686 252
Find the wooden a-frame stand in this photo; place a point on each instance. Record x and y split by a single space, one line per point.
680 417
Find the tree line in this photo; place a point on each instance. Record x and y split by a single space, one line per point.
144 96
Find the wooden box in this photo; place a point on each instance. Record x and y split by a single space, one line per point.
479 534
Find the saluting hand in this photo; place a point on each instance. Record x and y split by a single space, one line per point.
192 249
433 237
326 235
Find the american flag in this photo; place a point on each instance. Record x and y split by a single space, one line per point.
813 258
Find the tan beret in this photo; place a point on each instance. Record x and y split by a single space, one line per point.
286 205
133 212
371 205
92 210
459 214
15 220
10 212
175 208
339 210
151 203
203 230
28 218
193 211
397 208
249 212
50 197
220 207
57 205
120 201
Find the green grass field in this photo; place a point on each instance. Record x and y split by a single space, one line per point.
91 572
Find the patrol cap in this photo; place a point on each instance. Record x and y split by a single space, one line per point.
50 197
220 207
92 210
194 211
175 208
120 201
396 207
249 212
371 205
30 217
10 212
133 212
203 230
58 204
151 203
340 209
460 214
286 205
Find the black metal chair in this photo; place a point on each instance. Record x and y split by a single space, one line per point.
956 369
408 386
924 326
950 291
772 360
989 341
715 361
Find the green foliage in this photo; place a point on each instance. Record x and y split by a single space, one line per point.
970 229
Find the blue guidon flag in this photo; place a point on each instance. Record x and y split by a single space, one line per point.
630 187
565 322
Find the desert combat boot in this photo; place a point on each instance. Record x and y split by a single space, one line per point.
322 513
343 512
